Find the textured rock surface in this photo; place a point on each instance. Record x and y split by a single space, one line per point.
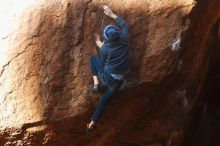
44 73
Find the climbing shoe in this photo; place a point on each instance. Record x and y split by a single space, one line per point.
94 88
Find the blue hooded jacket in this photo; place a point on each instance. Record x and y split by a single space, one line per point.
114 51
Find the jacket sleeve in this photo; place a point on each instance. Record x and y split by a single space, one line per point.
124 28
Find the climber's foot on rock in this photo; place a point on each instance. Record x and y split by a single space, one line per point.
90 126
94 88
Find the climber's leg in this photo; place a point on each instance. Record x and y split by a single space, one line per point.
113 87
102 103
95 70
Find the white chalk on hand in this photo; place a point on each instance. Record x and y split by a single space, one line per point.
105 7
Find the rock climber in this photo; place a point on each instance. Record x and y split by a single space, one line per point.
111 65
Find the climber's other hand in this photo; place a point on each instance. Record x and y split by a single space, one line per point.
99 43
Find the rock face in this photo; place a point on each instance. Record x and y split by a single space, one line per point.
44 72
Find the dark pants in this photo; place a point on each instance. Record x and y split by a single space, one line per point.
112 85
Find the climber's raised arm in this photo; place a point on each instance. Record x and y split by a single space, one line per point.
119 21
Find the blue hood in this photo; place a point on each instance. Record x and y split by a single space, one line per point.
111 33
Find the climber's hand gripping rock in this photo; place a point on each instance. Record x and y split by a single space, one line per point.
109 12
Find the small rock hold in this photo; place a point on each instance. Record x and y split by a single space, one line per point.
176 44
